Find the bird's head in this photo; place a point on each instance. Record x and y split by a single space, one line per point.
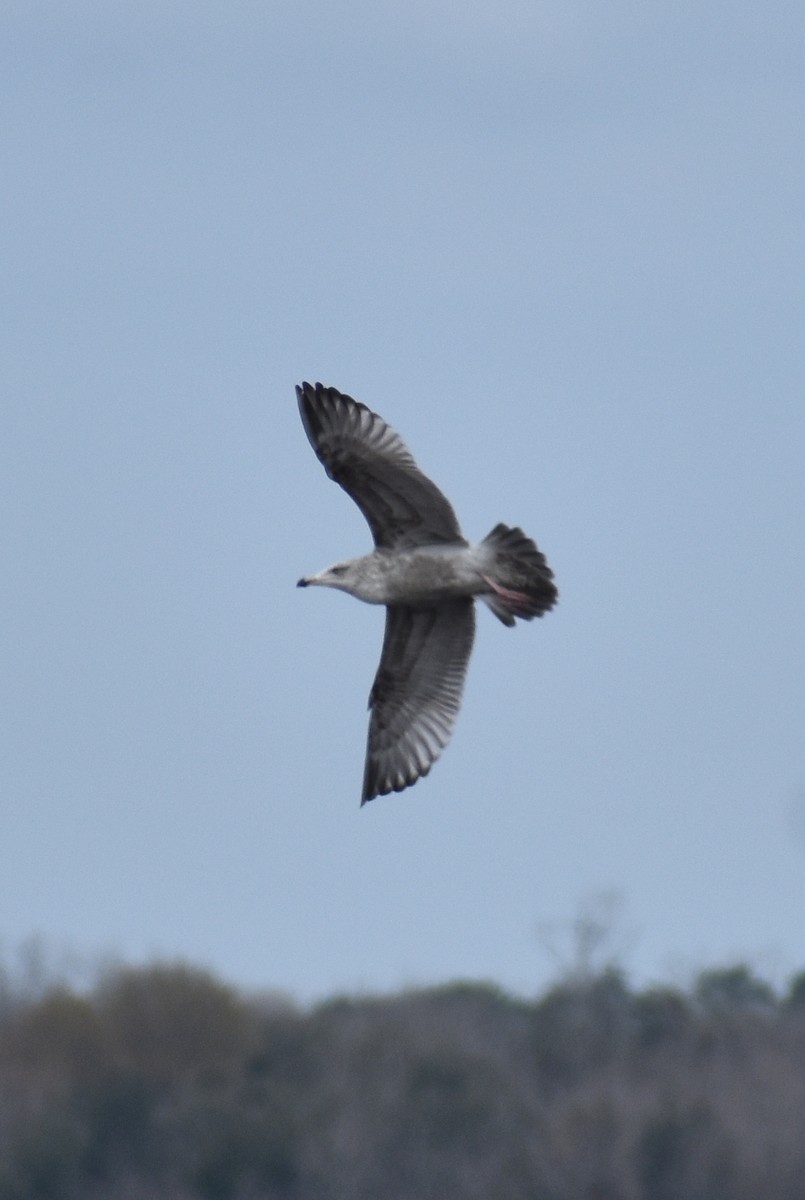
339 575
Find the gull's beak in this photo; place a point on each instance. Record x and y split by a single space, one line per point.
321 578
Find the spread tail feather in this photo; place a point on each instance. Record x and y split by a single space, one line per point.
520 580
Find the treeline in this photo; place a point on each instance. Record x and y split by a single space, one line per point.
163 1083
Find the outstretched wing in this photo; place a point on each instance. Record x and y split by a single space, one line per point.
371 462
416 693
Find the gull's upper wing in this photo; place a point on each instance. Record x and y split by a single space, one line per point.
416 694
371 462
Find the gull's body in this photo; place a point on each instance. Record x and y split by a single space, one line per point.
425 573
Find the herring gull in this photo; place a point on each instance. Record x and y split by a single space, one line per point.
426 574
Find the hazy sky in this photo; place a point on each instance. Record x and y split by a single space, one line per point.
559 247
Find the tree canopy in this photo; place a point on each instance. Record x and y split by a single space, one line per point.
165 1081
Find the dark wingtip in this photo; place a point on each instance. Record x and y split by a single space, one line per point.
369 790
309 399
309 391
301 583
304 394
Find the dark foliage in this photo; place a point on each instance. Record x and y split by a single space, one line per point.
165 1082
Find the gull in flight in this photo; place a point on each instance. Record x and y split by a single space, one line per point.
426 574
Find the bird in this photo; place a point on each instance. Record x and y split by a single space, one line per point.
425 573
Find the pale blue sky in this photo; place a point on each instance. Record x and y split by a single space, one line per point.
559 247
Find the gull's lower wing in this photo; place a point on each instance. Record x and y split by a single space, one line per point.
417 692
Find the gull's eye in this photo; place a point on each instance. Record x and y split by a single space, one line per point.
339 570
